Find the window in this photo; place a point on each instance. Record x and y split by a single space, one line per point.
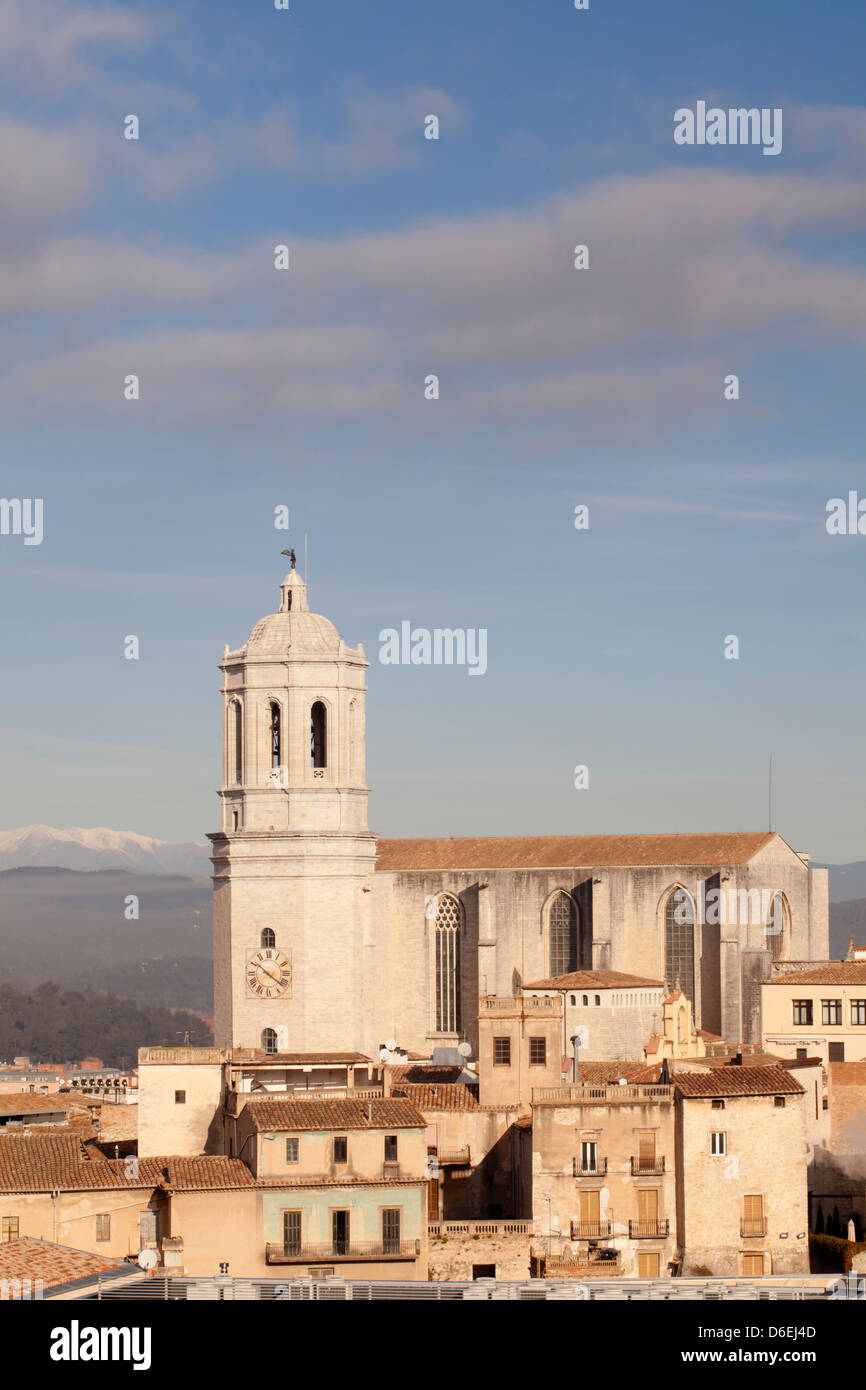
753 1214
340 1232
680 942
390 1230
538 1052
588 1156
291 1232
292 1149
148 1228
484 1271
180 1097
718 1142
103 1228
562 934
269 1040
10 1228
586 999
718 1104
234 820
753 1264
276 740
574 999
238 741
341 1148
597 1000
858 1010
777 928
831 1010
648 1264
779 1102
801 1054
502 1052
803 1011
318 735
390 1148
268 939
447 951
836 1052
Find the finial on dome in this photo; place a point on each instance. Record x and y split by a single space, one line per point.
291 555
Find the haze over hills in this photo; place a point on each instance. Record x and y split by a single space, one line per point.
44 847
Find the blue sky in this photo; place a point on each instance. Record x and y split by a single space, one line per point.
558 387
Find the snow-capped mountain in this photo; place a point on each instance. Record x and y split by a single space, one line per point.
42 846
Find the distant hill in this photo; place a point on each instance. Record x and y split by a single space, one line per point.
847 920
847 881
71 926
42 846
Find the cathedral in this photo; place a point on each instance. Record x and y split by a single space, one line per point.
327 938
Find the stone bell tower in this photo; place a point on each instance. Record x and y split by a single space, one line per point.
293 862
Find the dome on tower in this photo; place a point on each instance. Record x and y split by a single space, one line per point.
293 628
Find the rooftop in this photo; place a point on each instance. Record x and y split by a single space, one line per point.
439 1095
321 1115
29 1258
835 972
567 851
32 1104
737 1081
595 979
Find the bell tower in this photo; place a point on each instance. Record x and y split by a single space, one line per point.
293 860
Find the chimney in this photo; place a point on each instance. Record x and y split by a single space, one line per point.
737 1059
370 1111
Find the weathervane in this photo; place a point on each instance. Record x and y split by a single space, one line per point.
291 555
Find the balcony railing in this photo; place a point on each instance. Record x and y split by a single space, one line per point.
587 1093
455 1158
282 1254
589 1169
753 1228
648 1230
590 1230
602 1265
647 1167
479 1228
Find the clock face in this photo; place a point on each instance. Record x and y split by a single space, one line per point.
269 974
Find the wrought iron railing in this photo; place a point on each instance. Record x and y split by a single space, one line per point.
293 1252
647 1230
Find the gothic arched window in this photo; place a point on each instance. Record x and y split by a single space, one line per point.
680 942
777 928
562 934
276 734
268 939
269 1040
447 951
318 735
236 733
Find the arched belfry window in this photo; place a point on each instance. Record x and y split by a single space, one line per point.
269 940
680 942
275 734
318 735
269 1040
236 729
562 934
777 928
447 965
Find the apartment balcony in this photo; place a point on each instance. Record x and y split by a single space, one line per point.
590 1230
647 1167
753 1228
648 1230
354 1251
589 1170
455 1158
603 1264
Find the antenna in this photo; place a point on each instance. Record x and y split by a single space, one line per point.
770 796
306 562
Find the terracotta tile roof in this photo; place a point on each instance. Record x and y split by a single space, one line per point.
441 1096
333 1114
32 1104
566 851
596 979
835 972
36 1163
755 1059
118 1122
599 1073
28 1258
426 1075
737 1081
205 1172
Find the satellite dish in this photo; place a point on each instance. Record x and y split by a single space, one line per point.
391 1044
148 1259
465 1049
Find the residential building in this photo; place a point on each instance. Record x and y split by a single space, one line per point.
817 1011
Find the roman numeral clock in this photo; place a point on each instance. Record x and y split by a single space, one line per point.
269 974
